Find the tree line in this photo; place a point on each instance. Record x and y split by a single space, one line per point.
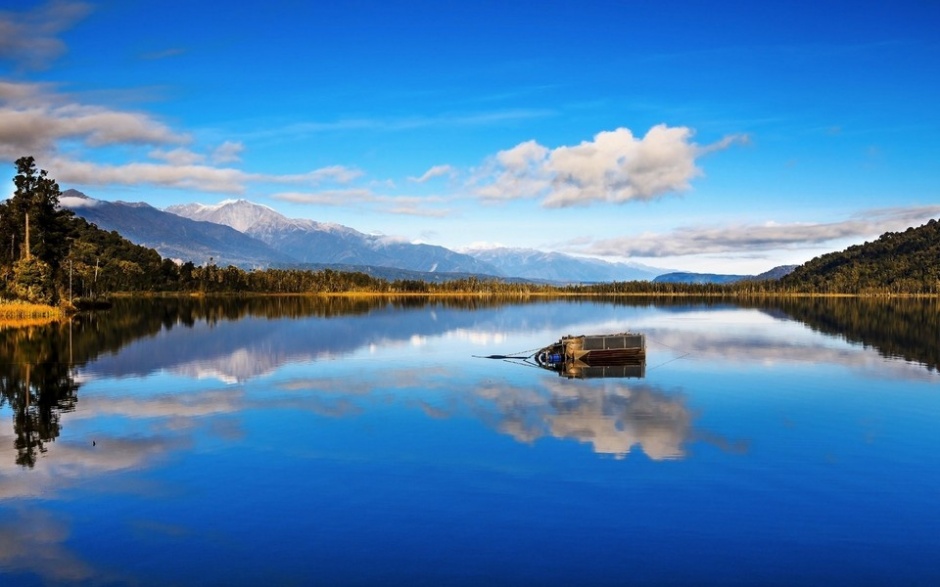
48 255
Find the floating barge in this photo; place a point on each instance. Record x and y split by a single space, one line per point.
604 355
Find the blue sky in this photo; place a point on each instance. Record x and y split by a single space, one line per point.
702 136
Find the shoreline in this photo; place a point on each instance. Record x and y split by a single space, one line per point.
521 294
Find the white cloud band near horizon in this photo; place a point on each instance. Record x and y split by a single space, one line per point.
358 197
699 240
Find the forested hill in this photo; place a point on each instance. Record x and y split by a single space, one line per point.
896 262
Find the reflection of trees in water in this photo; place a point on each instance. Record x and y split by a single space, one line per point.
36 382
898 327
904 328
613 418
188 310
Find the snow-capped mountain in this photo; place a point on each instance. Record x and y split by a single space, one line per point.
308 241
239 214
173 236
249 235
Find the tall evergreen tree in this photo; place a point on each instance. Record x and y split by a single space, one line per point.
35 232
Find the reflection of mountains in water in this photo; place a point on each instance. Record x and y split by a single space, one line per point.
259 344
235 340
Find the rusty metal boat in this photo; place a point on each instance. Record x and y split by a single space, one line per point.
588 356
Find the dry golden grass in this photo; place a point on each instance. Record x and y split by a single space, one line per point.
19 314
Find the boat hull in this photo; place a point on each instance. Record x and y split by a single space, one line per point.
608 355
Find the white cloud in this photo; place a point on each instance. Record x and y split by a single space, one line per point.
436 171
33 119
697 240
174 174
199 177
178 156
406 209
71 203
328 197
20 92
516 173
228 152
333 173
614 167
423 206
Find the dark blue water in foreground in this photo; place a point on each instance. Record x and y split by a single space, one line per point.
367 446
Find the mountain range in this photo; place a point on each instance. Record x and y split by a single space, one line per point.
250 235
685 277
172 236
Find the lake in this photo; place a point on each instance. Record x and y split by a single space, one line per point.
303 441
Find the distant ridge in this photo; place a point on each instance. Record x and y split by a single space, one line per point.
699 278
561 268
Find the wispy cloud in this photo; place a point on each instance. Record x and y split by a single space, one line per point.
406 123
436 171
174 175
30 39
332 173
35 119
424 206
615 167
341 197
178 156
228 152
696 240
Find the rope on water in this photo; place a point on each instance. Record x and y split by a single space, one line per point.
669 361
682 356
528 355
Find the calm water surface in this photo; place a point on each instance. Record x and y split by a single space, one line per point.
301 442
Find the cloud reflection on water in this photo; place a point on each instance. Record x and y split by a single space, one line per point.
33 542
161 415
613 419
